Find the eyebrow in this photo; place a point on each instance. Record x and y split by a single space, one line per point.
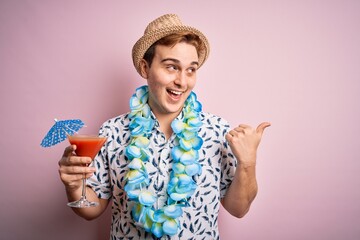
177 61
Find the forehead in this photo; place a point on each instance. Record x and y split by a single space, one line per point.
182 51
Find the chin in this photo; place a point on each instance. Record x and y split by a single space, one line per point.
175 108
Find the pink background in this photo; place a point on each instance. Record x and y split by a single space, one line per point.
293 63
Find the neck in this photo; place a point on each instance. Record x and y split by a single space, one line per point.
165 121
165 127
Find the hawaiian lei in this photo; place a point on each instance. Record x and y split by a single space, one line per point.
181 187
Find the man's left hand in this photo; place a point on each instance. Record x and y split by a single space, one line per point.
244 141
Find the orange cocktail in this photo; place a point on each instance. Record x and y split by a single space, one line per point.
87 145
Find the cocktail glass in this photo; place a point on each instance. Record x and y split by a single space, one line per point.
86 146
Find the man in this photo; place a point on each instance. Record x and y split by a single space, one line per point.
167 165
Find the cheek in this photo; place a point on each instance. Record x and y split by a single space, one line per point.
155 87
160 78
192 83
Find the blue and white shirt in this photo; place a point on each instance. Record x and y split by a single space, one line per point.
200 219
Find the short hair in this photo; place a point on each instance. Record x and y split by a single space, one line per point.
172 40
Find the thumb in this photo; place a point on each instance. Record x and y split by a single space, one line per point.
260 129
69 150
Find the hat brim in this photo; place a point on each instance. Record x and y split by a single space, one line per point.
145 42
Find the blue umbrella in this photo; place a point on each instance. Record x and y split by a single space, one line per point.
59 131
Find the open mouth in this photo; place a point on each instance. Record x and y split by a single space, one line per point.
174 94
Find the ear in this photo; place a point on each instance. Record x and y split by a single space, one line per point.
144 68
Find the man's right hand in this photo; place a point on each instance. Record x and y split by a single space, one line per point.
73 169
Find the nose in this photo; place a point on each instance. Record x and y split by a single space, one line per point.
181 79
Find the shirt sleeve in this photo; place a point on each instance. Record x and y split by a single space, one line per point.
100 180
228 162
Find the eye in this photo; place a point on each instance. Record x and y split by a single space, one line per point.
172 68
191 70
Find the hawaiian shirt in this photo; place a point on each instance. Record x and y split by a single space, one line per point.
200 219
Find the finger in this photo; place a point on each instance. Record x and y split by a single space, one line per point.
235 132
70 175
74 170
71 180
260 129
69 150
89 175
244 126
228 137
81 170
74 160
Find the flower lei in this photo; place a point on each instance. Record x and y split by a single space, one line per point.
181 187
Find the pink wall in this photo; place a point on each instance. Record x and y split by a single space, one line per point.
294 63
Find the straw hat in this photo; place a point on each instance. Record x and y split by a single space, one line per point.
162 27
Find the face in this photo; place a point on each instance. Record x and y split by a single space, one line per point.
171 78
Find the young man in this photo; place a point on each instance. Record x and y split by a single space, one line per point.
167 165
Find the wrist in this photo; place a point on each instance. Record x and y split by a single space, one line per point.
247 165
73 192
248 162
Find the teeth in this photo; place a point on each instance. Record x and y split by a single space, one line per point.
175 92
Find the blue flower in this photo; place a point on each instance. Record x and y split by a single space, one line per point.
180 187
194 104
146 111
178 167
185 157
168 212
132 152
190 114
159 216
173 211
136 104
146 198
193 169
135 177
157 229
194 122
194 143
142 93
178 126
178 196
137 211
170 227
133 194
140 125
187 135
137 164
166 220
149 219
141 142
184 179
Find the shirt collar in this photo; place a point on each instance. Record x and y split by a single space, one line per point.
157 124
